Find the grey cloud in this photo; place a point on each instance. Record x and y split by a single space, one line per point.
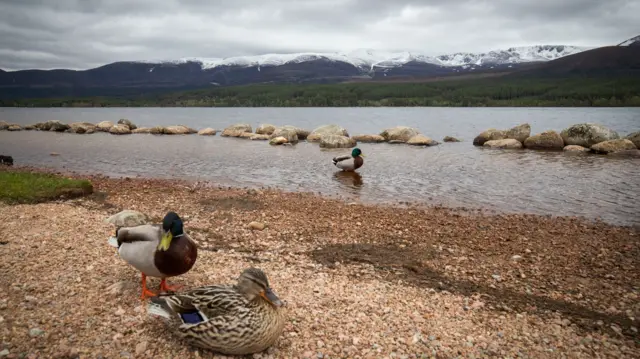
88 33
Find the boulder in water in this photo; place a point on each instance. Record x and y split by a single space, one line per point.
104 126
81 127
120 130
207 132
450 139
635 138
399 134
236 130
587 134
265 129
422 140
547 140
337 141
368 138
124 121
278 141
611 146
14 127
489 135
507 143
575 148
520 132
332 129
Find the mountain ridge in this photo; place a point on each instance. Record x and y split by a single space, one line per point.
135 78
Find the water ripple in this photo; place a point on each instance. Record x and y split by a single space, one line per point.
456 174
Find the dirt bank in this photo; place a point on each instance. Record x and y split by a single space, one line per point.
360 281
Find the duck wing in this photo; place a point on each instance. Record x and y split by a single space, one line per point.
145 232
338 159
199 304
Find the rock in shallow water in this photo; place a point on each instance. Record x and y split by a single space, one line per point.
368 138
547 140
613 146
575 148
399 133
337 141
317 134
587 134
507 143
422 140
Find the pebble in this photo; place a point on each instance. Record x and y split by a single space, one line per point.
36 332
257 226
516 258
141 348
4 353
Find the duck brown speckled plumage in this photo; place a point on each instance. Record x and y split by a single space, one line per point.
235 319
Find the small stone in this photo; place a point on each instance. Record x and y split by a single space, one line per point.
516 258
320 344
4 353
141 348
120 311
36 332
308 354
496 277
257 226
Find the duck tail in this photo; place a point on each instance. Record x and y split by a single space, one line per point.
159 307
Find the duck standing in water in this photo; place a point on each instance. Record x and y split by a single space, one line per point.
157 251
235 319
349 163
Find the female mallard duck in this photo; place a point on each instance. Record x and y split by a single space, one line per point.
157 251
349 163
231 319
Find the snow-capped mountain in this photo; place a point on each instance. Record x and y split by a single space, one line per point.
634 41
367 59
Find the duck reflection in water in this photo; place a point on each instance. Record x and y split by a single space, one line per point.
350 179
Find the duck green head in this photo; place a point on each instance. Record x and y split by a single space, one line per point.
356 152
172 227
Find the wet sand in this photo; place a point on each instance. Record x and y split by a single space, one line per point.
361 281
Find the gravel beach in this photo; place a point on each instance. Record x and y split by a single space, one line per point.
360 281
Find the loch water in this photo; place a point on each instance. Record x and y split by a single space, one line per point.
451 174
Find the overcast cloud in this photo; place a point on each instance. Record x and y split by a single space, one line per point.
81 34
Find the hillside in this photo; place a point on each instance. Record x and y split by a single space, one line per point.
131 78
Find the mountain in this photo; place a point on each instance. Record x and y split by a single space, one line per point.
131 78
609 61
634 41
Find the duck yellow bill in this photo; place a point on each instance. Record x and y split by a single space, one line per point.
165 241
362 154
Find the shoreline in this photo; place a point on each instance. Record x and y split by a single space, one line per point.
345 198
361 280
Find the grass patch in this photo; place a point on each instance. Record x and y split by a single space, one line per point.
27 187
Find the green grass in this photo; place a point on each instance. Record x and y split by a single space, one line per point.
27 187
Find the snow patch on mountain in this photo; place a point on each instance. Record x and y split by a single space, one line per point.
632 41
369 59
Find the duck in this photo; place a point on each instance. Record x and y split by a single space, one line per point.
160 251
231 319
349 163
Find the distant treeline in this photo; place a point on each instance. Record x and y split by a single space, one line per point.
487 92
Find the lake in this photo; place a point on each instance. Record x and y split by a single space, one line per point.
451 174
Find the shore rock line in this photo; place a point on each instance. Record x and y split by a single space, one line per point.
578 138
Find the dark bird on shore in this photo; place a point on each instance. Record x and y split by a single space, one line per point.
349 163
159 251
6 160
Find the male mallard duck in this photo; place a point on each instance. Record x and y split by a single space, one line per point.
157 251
231 319
349 163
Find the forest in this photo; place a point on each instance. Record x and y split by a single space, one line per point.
486 92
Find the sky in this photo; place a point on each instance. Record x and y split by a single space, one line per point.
81 34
